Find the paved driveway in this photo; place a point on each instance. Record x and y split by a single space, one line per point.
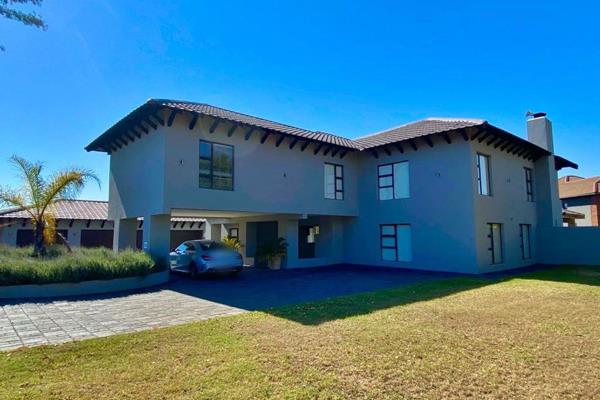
33 322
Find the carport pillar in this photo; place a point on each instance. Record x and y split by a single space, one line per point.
124 233
289 231
157 236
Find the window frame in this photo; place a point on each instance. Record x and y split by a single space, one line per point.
490 235
335 181
395 237
211 159
529 184
488 174
393 184
521 230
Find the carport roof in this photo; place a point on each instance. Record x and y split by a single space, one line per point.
94 210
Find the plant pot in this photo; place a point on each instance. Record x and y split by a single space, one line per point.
275 263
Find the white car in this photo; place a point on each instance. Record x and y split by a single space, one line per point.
204 256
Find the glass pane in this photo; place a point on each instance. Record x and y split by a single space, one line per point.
401 183
526 241
385 181
385 170
205 149
483 173
388 230
339 195
388 242
205 181
339 184
329 181
339 171
403 234
222 167
386 193
205 166
497 240
388 254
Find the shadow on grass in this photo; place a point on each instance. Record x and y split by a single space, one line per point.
315 313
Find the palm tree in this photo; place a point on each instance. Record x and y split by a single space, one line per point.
37 196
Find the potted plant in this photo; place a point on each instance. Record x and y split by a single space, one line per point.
273 252
232 243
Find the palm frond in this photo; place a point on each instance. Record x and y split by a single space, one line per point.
66 185
33 183
49 228
15 199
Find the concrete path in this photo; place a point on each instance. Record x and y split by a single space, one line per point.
50 321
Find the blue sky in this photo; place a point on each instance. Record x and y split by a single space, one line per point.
349 68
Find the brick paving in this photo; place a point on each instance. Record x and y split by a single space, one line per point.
52 322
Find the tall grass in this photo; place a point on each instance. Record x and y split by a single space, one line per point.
19 267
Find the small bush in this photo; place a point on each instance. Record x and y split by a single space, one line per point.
19 267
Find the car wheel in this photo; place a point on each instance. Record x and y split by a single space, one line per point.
193 269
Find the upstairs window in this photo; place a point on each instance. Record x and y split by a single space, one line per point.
529 183
483 175
216 166
393 181
334 181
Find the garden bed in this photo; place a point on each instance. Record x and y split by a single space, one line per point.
18 267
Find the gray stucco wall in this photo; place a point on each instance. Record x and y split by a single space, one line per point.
267 178
507 205
439 210
570 245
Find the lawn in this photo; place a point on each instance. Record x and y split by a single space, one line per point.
536 336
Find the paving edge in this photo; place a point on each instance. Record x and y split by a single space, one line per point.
83 288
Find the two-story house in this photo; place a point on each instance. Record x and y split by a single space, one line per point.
438 194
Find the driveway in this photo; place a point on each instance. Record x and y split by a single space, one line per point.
31 322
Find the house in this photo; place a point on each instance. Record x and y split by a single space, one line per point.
581 195
443 194
85 223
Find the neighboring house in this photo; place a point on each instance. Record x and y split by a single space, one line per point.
581 195
85 223
570 217
437 194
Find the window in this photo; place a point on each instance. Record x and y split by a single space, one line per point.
529 183
483 174
216 166
234 233
495 236
396 242
392 181
334 181
526 241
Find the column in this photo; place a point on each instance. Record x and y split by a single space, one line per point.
157 236
124 233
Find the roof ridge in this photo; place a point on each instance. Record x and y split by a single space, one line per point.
390 129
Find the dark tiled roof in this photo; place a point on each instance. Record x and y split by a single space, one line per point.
79 209
217 112
416 129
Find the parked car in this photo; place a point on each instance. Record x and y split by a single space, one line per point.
204 256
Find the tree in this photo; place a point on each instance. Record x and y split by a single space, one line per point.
37 196
28 18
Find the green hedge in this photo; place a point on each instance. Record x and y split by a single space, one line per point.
18 267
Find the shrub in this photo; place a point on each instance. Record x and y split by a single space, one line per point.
19 267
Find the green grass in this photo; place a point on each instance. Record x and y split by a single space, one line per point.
18 267
536 336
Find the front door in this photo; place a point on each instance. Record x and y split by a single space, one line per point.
257 235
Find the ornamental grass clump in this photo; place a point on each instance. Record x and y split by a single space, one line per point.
19 267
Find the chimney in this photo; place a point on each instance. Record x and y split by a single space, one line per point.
539 130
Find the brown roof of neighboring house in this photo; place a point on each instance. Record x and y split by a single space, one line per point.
147 117
576 186
78 209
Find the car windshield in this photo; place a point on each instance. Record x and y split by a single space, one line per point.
212 246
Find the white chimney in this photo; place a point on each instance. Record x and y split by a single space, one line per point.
539 131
